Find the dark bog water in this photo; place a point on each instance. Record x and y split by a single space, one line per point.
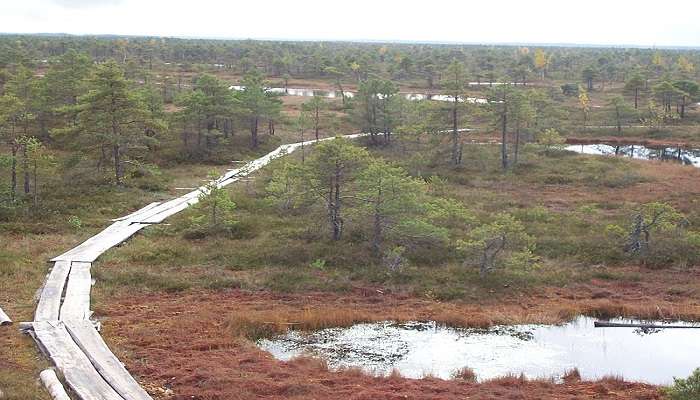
684 156
421 348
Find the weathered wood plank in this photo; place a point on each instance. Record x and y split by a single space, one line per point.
50 299
138 212
4 319
168 208
76 302
87 338
92 248
73 364
53 385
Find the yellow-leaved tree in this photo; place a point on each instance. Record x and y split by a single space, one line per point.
541 62
585 103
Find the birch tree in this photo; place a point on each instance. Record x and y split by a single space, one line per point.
315 107
584 103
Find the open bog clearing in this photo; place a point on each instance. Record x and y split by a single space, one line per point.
418 349
188 218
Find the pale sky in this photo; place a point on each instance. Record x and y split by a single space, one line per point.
608 22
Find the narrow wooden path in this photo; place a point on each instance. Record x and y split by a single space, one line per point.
4 318
62 328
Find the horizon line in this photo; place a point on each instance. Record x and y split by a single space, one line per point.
358 40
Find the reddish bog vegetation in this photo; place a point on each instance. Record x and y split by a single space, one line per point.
191 346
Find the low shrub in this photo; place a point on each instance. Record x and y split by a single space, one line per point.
572 375
465 374
685 389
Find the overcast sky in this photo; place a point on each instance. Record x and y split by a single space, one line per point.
614 22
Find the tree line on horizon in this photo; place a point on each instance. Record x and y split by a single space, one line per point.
396 61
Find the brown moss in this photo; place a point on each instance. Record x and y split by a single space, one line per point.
217 362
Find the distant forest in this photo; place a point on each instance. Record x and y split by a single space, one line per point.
404 62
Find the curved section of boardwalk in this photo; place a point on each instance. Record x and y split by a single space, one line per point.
62 326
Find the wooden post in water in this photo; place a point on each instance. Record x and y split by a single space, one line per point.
605 324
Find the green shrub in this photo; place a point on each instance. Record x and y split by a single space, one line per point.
534 214
213 214
75 223
292 280
319 264
557 179
621 180
550 139
501 243
148 177
685 389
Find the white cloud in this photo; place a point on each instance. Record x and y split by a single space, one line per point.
86 3
641 22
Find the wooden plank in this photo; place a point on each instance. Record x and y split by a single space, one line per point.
73 364
92 248
76 302
50 298
53 385
4 319
109 367
138 212
169 208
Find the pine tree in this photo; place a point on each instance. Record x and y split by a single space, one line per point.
113 118
454 83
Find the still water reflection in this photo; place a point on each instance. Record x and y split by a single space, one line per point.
420 348
684 156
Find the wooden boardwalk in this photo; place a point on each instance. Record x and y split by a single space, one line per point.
62 326
4 318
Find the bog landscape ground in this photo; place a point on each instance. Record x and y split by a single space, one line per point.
430 223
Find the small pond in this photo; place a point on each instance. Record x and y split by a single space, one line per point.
332 94
417 349
684 156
